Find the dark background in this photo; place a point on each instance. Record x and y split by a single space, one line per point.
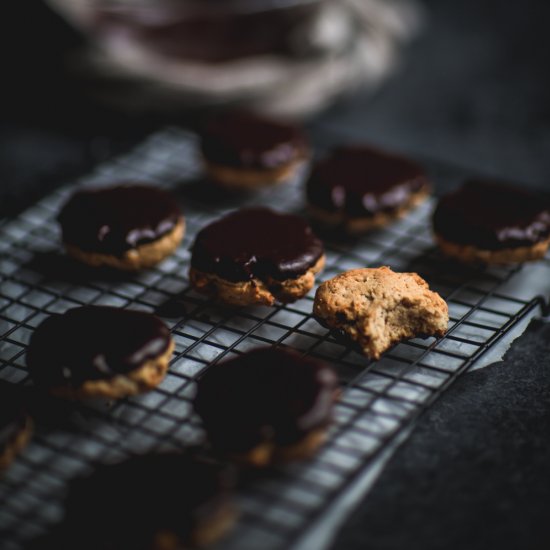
473 93
472 90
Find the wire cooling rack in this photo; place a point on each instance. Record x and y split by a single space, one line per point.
379 402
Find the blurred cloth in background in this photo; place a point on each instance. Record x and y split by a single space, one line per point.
288 57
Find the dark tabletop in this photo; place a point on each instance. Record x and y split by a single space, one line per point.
472 96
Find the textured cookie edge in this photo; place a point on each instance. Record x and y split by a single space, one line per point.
140 380
470 254
248 179
359 225
268 453
16 445
142 257
335 308
255 291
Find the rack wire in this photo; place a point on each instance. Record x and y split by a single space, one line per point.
380 400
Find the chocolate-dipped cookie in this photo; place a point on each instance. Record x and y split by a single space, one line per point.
99 351
244 151
15 423
358 188
150 502
493 223
266 405
127 227
256 256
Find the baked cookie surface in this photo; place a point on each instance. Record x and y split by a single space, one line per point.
266 405
256 256
125 227
151 502
493 223
99 351
15 423
244 150
378 308
358 188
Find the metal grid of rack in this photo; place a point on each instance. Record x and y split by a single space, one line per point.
380 400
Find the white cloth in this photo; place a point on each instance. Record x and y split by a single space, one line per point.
345 44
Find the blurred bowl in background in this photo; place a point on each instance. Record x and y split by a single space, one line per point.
289 57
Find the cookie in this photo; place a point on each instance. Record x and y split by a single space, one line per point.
244 151
493 223
358 188
378 308
95 351
266 405
256 256
128 227
159 502
15 424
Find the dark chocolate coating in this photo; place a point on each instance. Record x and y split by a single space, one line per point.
125 505
94 343
493 216
360 181
264 396
257 243
248 141
13 416
116 219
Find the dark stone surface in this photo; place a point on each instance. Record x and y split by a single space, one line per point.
476 472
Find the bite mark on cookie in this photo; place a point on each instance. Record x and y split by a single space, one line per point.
377 308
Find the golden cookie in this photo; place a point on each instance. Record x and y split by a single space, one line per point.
128 227
267 405
493 223
95 351
158 501
15 424
359 188
378 308
244 151
256 256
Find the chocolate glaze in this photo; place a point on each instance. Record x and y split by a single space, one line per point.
125 505
248 141
116 219
493 216
94 343
13 416
264 396
360 181
256 243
